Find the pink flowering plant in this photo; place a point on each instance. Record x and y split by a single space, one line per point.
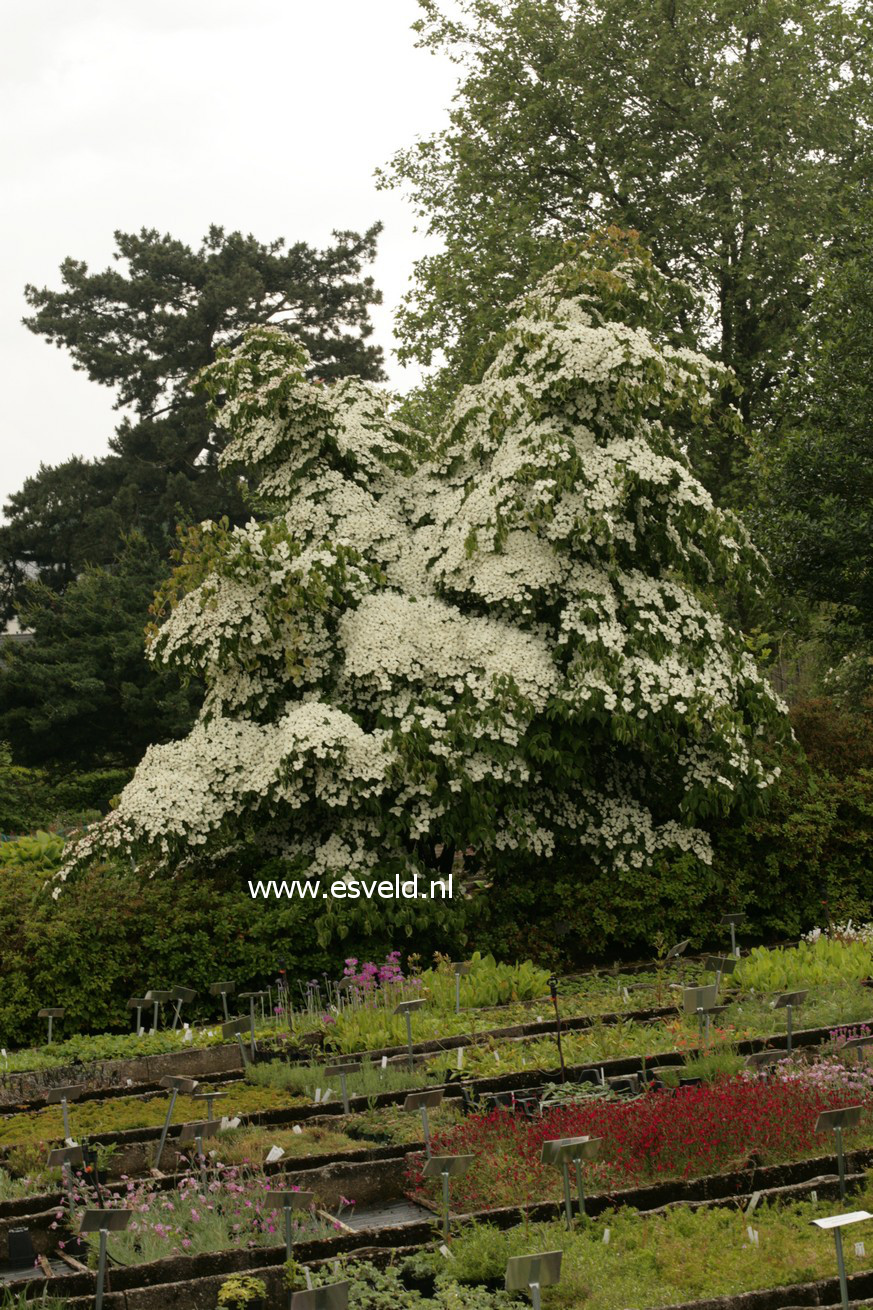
228 1211
369 976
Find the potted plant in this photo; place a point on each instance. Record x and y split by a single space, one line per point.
242 1292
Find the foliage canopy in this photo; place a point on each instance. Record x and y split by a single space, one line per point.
724 132
816 461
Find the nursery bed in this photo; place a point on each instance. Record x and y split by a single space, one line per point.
143 1074
131 1160
169 1276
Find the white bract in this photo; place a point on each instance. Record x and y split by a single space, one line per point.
511 645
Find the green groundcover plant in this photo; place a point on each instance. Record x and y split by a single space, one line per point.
620 1259
682 1255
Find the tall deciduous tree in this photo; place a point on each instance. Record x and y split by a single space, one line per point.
145 328
816 490
724 131
514 645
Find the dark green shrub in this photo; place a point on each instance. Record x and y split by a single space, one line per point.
34 798
813 843
113 933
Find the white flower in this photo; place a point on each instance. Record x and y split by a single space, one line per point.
522 626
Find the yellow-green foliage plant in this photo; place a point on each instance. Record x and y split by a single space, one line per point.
487 983
41 852
809 964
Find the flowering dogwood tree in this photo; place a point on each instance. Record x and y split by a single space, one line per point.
510 644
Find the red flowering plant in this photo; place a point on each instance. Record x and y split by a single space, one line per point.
683 1134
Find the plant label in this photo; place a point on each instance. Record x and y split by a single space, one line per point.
813 1196
317 1095
444 1250
384 1061
753 1201
275 1153
460 1057
297 1129
753 1236
497 1056
860 1249
606 1237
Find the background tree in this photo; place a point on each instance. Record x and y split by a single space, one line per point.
145 328
725 133
63 517
514 646
81 693
816 460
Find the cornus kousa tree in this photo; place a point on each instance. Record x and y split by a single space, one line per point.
509 645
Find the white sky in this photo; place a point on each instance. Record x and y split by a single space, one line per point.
264 115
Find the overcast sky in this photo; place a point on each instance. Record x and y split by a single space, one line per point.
263 115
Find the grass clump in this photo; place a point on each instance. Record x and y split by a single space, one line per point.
307 1079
